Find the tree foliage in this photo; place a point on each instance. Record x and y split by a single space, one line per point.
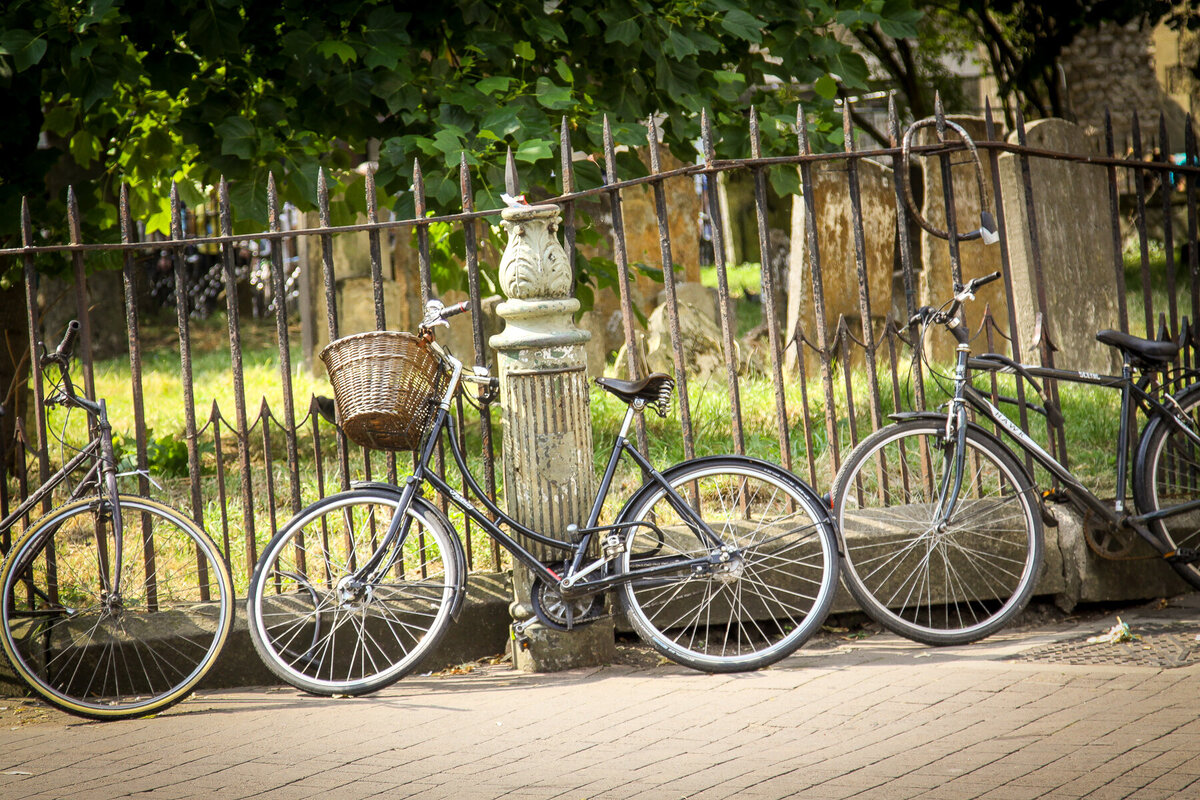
110 91
1022 40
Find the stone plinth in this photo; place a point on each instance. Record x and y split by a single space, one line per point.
549 482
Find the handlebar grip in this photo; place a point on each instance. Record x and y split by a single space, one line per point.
919 317
68 341
456 309
986 279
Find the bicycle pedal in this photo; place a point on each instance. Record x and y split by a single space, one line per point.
1055 496
1183 555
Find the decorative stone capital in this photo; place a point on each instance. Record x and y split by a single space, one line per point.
534 266
537 278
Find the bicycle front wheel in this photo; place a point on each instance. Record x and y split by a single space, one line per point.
323 629
933 579
749 598
107 648
1167 473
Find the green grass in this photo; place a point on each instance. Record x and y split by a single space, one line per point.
1159 294
742 279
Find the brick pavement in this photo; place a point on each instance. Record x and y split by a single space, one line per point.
880 718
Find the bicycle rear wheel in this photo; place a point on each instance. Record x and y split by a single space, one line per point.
771 579
319 628
940 582
1167 473
108 651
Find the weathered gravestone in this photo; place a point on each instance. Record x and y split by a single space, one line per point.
975 258
835 245
1074 228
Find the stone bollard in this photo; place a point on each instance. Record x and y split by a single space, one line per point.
549 481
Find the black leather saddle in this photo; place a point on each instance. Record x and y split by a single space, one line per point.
654 389
1140 353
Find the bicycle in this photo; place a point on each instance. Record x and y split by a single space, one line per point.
721 563
941 523
111 605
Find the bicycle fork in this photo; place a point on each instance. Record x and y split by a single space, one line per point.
952 468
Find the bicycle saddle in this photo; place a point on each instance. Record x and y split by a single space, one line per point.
1144 353
654 389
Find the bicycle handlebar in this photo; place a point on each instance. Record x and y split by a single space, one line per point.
436 313
68 341
962 294
61 358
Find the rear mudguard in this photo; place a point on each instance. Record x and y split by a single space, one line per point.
802 487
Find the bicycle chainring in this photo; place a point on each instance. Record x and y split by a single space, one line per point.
553 611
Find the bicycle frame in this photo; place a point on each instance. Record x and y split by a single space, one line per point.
91 450
1131 391
100 451
570 584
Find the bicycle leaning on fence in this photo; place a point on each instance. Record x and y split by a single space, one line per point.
112 605
942 524
721 563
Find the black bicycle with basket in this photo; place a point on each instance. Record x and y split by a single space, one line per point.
721 563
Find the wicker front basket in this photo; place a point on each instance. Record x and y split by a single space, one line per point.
386 384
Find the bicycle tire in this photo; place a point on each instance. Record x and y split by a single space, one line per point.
940 587
105 655
1166 472
756 608
319 633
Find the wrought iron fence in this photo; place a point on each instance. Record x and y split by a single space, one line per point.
286 456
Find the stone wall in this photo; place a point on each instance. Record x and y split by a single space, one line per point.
1119 67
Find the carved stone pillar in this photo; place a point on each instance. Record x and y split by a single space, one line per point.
549 480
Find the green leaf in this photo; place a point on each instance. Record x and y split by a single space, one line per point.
215 31
679 45
331 48
742 25
532 150
97 10
495 85
448 142
60 120
625 32
501 120
851 68
25 49
524 50
237 137
826 87
564 71
785 181
190 194
85 148
386 37
551 95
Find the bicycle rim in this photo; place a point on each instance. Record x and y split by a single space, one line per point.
933 579
318 628
107 654
746 612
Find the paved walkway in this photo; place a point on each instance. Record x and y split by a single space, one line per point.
880 717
